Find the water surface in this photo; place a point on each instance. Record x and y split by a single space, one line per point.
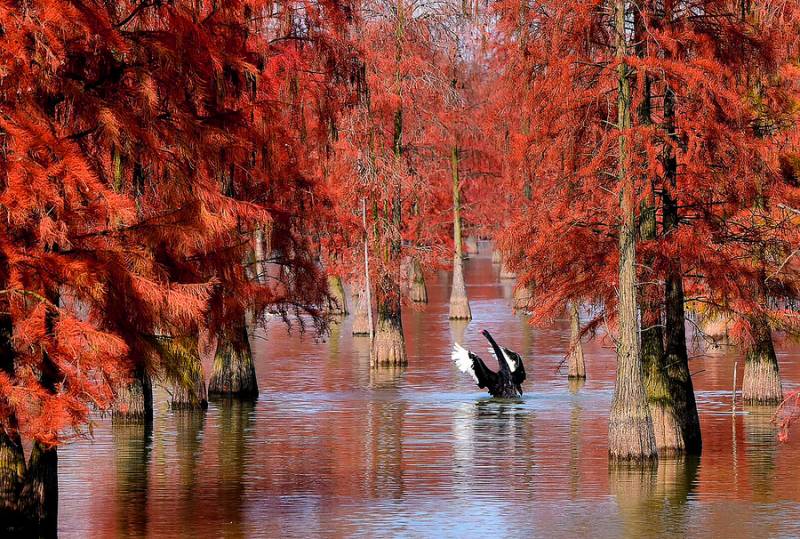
335 449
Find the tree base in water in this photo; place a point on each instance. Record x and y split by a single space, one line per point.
459 308
761 383
417 292
389 347
234 375
630 435
667 430
522 298
361 318
134 402
191 396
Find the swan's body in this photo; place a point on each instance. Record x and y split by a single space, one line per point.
506 383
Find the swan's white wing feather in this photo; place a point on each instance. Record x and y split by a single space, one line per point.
463 362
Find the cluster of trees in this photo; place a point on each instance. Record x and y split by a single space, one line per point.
173 172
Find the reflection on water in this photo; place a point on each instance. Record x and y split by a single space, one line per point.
334 448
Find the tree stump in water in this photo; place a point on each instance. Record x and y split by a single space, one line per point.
388 349
522 298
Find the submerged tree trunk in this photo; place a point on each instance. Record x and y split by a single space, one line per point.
761 383
576 365
187 376
337 303
234 374
459 303
630 426
361 318
418 292
134 402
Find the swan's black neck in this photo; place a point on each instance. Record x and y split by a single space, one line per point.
501 358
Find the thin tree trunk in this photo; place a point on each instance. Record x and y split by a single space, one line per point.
367 280
630 426
459 303
497 257
576 364
234 374
761 383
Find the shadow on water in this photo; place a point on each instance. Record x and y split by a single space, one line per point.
133 444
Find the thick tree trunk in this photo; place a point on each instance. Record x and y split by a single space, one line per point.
576 366
361 318
418 292
337 303
234 374
188 382
134 402
761 383
41 488
388 347
630 426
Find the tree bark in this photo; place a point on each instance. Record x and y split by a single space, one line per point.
761 383
576 364
677 356
361 318
234 374
188 381
630 426
13 518
522 297
337 303
418 292
134 402
388 347
459 302
41 489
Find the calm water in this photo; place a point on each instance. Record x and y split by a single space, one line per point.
334 449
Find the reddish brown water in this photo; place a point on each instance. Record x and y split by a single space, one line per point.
334 449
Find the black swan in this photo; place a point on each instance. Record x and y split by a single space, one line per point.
505 384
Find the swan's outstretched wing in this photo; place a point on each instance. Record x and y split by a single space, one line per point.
471 364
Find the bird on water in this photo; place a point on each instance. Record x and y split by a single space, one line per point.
504 384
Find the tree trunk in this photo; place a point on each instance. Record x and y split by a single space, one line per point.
630 426
497 257
234 374
361 318
576 365
677 356
337 303
188 382
388 347
134 402
41 488
761 383
459 303
418 292
13 516
522 298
